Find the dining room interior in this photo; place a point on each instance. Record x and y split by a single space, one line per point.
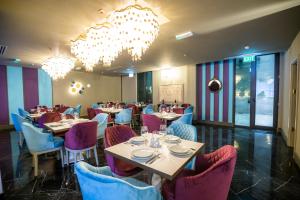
150 99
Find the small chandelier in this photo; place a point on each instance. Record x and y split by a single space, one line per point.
58 66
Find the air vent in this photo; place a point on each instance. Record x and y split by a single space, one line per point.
2 50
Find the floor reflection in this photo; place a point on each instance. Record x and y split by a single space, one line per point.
264 169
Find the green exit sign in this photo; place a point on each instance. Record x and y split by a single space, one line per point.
248 59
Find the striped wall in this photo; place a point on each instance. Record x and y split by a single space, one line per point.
215 107
22 87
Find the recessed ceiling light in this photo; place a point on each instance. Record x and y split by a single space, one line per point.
184 55
88 85
247 47
184 35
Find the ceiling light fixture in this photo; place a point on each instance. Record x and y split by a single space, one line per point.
247 47
133 28
58 66
184 35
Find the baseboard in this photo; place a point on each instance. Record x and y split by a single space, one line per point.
201 122
296 159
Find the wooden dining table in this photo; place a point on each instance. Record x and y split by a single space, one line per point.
63 125
167 165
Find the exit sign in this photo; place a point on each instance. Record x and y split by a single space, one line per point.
248 59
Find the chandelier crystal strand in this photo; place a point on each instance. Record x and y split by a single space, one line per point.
58 67
137 28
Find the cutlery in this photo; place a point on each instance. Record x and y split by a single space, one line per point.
152 159
156 158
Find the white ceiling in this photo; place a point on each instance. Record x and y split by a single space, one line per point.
34 30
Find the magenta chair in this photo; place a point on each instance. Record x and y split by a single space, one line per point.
82 137
48 117
152 122
113 136
210 181
178 110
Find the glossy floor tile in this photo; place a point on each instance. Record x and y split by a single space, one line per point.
264 170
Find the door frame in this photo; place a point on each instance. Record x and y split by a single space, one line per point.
253 94
293 134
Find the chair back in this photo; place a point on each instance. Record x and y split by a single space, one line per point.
178 110
134 109
185 119
77 109
95 105
186 132
113 136
17 121
69 111
185 105
35 139
124 116
48 117
148 109
214 172
152 122
189 110
23 113
93 112
99 183
81 136
102 119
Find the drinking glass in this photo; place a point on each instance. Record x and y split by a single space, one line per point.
76 115
163 129
144 130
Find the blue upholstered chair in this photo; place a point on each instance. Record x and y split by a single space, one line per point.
69 111
77 109
102 119
39 142
148 109
95 106
124 117
189 110
17 121
185 119
99 183
186 132
22 112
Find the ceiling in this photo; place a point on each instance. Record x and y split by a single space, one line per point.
34 30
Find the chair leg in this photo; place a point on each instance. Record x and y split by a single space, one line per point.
96 156
21 139
67 157
36 164
62 157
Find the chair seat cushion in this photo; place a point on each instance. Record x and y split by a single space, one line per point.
58 142
135 182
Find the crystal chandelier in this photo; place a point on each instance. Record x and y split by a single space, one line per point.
133 28
137 28
58 66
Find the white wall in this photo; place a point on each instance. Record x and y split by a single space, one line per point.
290 57
129 89
103 88
185 75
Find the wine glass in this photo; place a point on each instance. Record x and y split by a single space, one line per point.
144 130
163 129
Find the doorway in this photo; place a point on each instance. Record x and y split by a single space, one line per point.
256 91
293 103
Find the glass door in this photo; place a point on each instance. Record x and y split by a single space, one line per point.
256 91
265 90
242 92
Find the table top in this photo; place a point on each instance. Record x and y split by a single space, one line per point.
168 165
36 115
111 110
167 116
63 125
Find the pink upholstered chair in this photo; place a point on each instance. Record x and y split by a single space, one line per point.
152 122
48 117
113 136
210 181
178 110
81 137
185 105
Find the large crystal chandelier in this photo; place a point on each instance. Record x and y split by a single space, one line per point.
133 28
58 66
137 28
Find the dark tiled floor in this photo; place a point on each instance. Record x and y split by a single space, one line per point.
264 170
